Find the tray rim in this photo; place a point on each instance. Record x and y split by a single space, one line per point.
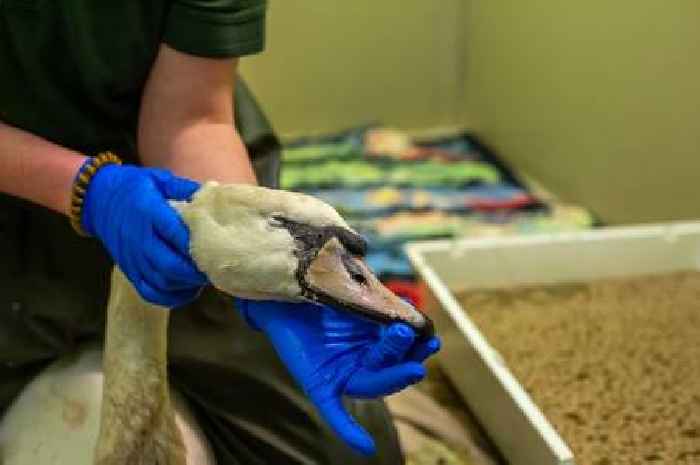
416 253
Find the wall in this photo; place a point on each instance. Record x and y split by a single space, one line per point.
599 99
330 65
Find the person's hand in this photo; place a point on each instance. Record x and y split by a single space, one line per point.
332 353
126 207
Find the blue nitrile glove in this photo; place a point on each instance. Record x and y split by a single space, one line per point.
332 353
127 208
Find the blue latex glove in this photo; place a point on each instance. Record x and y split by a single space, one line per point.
332 353
127 208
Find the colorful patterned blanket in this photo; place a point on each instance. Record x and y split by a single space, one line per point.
394 189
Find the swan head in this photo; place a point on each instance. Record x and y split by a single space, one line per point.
259 243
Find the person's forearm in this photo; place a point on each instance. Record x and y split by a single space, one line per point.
202 151
186 119
37 170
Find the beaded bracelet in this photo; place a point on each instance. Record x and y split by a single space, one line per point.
80 184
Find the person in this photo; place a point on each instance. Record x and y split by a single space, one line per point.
152 82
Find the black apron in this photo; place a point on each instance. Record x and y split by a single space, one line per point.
53 296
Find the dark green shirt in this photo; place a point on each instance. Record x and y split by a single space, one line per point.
72 71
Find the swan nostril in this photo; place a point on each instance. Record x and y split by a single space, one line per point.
354 270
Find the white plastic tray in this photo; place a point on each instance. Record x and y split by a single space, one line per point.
503 408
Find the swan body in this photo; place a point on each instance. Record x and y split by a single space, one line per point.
114 407
56 419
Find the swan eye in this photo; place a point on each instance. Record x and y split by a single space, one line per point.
358 278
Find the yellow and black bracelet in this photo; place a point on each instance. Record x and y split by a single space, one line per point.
80 184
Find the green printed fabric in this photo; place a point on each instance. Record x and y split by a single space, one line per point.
361 174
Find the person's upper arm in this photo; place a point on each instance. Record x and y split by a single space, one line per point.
184 89
193 75
216 28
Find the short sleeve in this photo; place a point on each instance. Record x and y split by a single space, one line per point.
216 28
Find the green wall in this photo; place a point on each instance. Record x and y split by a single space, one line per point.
329 64
598 99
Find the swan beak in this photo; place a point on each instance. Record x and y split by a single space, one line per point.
340 279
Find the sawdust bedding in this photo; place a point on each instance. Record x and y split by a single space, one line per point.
614 364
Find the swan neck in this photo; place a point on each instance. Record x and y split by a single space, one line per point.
137 423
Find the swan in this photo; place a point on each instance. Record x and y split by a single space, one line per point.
113 405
